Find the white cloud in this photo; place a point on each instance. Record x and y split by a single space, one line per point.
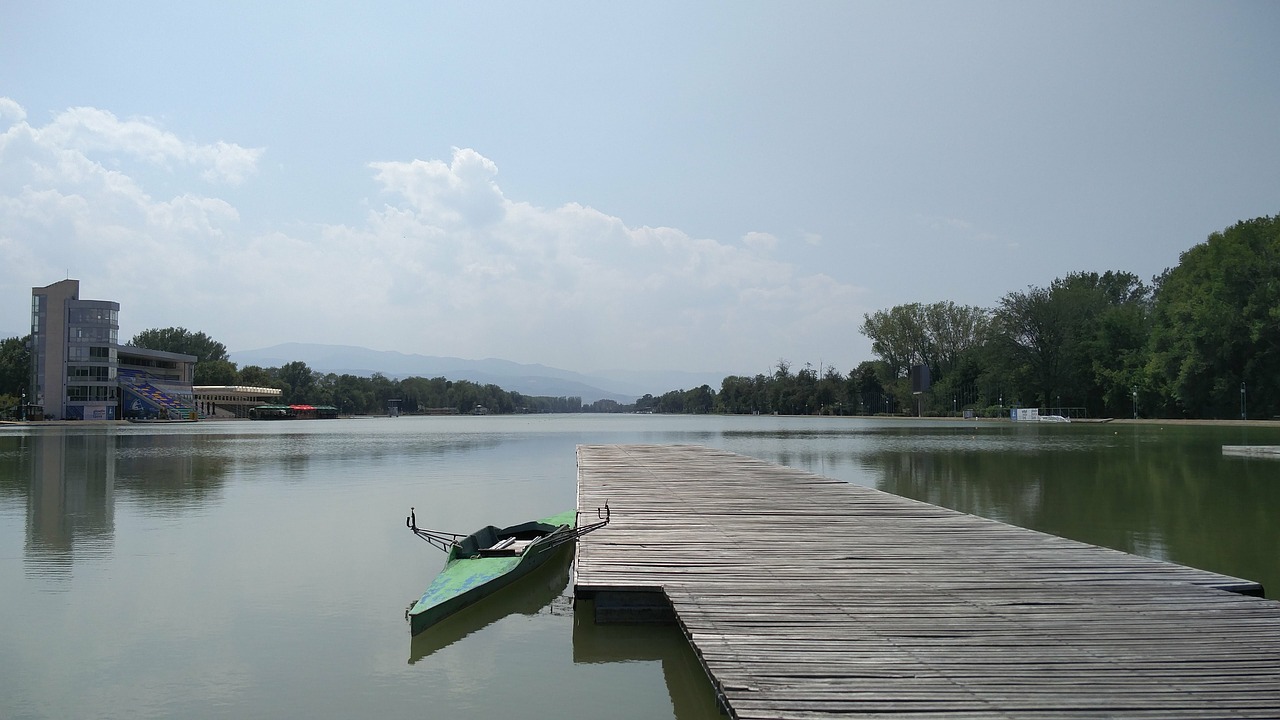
90 131
760 241
580 280
11 112
463 191
450 266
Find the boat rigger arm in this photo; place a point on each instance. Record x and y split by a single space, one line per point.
581 530
436 538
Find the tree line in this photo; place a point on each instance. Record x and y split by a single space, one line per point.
1201 340
299 384
350 394
356 395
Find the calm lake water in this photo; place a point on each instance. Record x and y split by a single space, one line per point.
244 570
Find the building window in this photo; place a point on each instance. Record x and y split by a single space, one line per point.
99 373
90 393
92 316
92 333
37 314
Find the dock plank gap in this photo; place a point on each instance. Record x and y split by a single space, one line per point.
809 597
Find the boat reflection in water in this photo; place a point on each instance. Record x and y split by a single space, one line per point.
547 590
529 595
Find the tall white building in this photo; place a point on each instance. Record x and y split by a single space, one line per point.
74 353
79 370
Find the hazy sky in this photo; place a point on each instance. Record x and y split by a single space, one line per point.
707 186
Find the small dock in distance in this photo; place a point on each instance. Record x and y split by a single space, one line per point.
1264 451
808 597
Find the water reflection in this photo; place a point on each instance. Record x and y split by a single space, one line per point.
240 569
70 505
170 474
1166 494
72 479
692 695
535 593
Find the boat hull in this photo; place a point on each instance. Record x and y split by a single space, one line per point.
529 595
467 580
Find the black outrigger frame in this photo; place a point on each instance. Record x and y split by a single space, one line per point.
580 530
446 540
437 539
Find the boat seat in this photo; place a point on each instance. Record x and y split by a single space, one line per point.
476 543
507 547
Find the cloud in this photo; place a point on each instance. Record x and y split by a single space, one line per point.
760 241
462 192
943 223
447 265
91 131
11 112
578 279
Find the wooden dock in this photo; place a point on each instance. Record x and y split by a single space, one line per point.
1265 451
807 597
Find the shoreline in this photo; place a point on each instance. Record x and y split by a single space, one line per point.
1081 421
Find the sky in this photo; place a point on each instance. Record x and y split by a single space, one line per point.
708 187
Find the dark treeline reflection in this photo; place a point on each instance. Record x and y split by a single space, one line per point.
169 474
70 479
1164 493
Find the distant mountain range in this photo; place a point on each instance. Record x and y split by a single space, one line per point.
538 380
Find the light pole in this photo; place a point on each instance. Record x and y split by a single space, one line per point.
1242 413
22 409
1135 403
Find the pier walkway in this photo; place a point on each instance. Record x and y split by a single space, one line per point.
807 597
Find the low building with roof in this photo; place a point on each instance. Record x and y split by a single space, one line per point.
233 401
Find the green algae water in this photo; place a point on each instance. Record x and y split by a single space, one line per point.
244 570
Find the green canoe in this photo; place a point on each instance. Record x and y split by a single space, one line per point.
486 561
536 592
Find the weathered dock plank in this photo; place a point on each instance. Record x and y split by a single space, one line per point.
807 597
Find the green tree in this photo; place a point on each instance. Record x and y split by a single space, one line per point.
1216 325
734 396
830 393
181 340
299 382
354 395
939 335
1079 343
898 337
257 376
1107 339
671 401
215 372
212 365
15 365
866 386
1032 333
699 400
953 331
